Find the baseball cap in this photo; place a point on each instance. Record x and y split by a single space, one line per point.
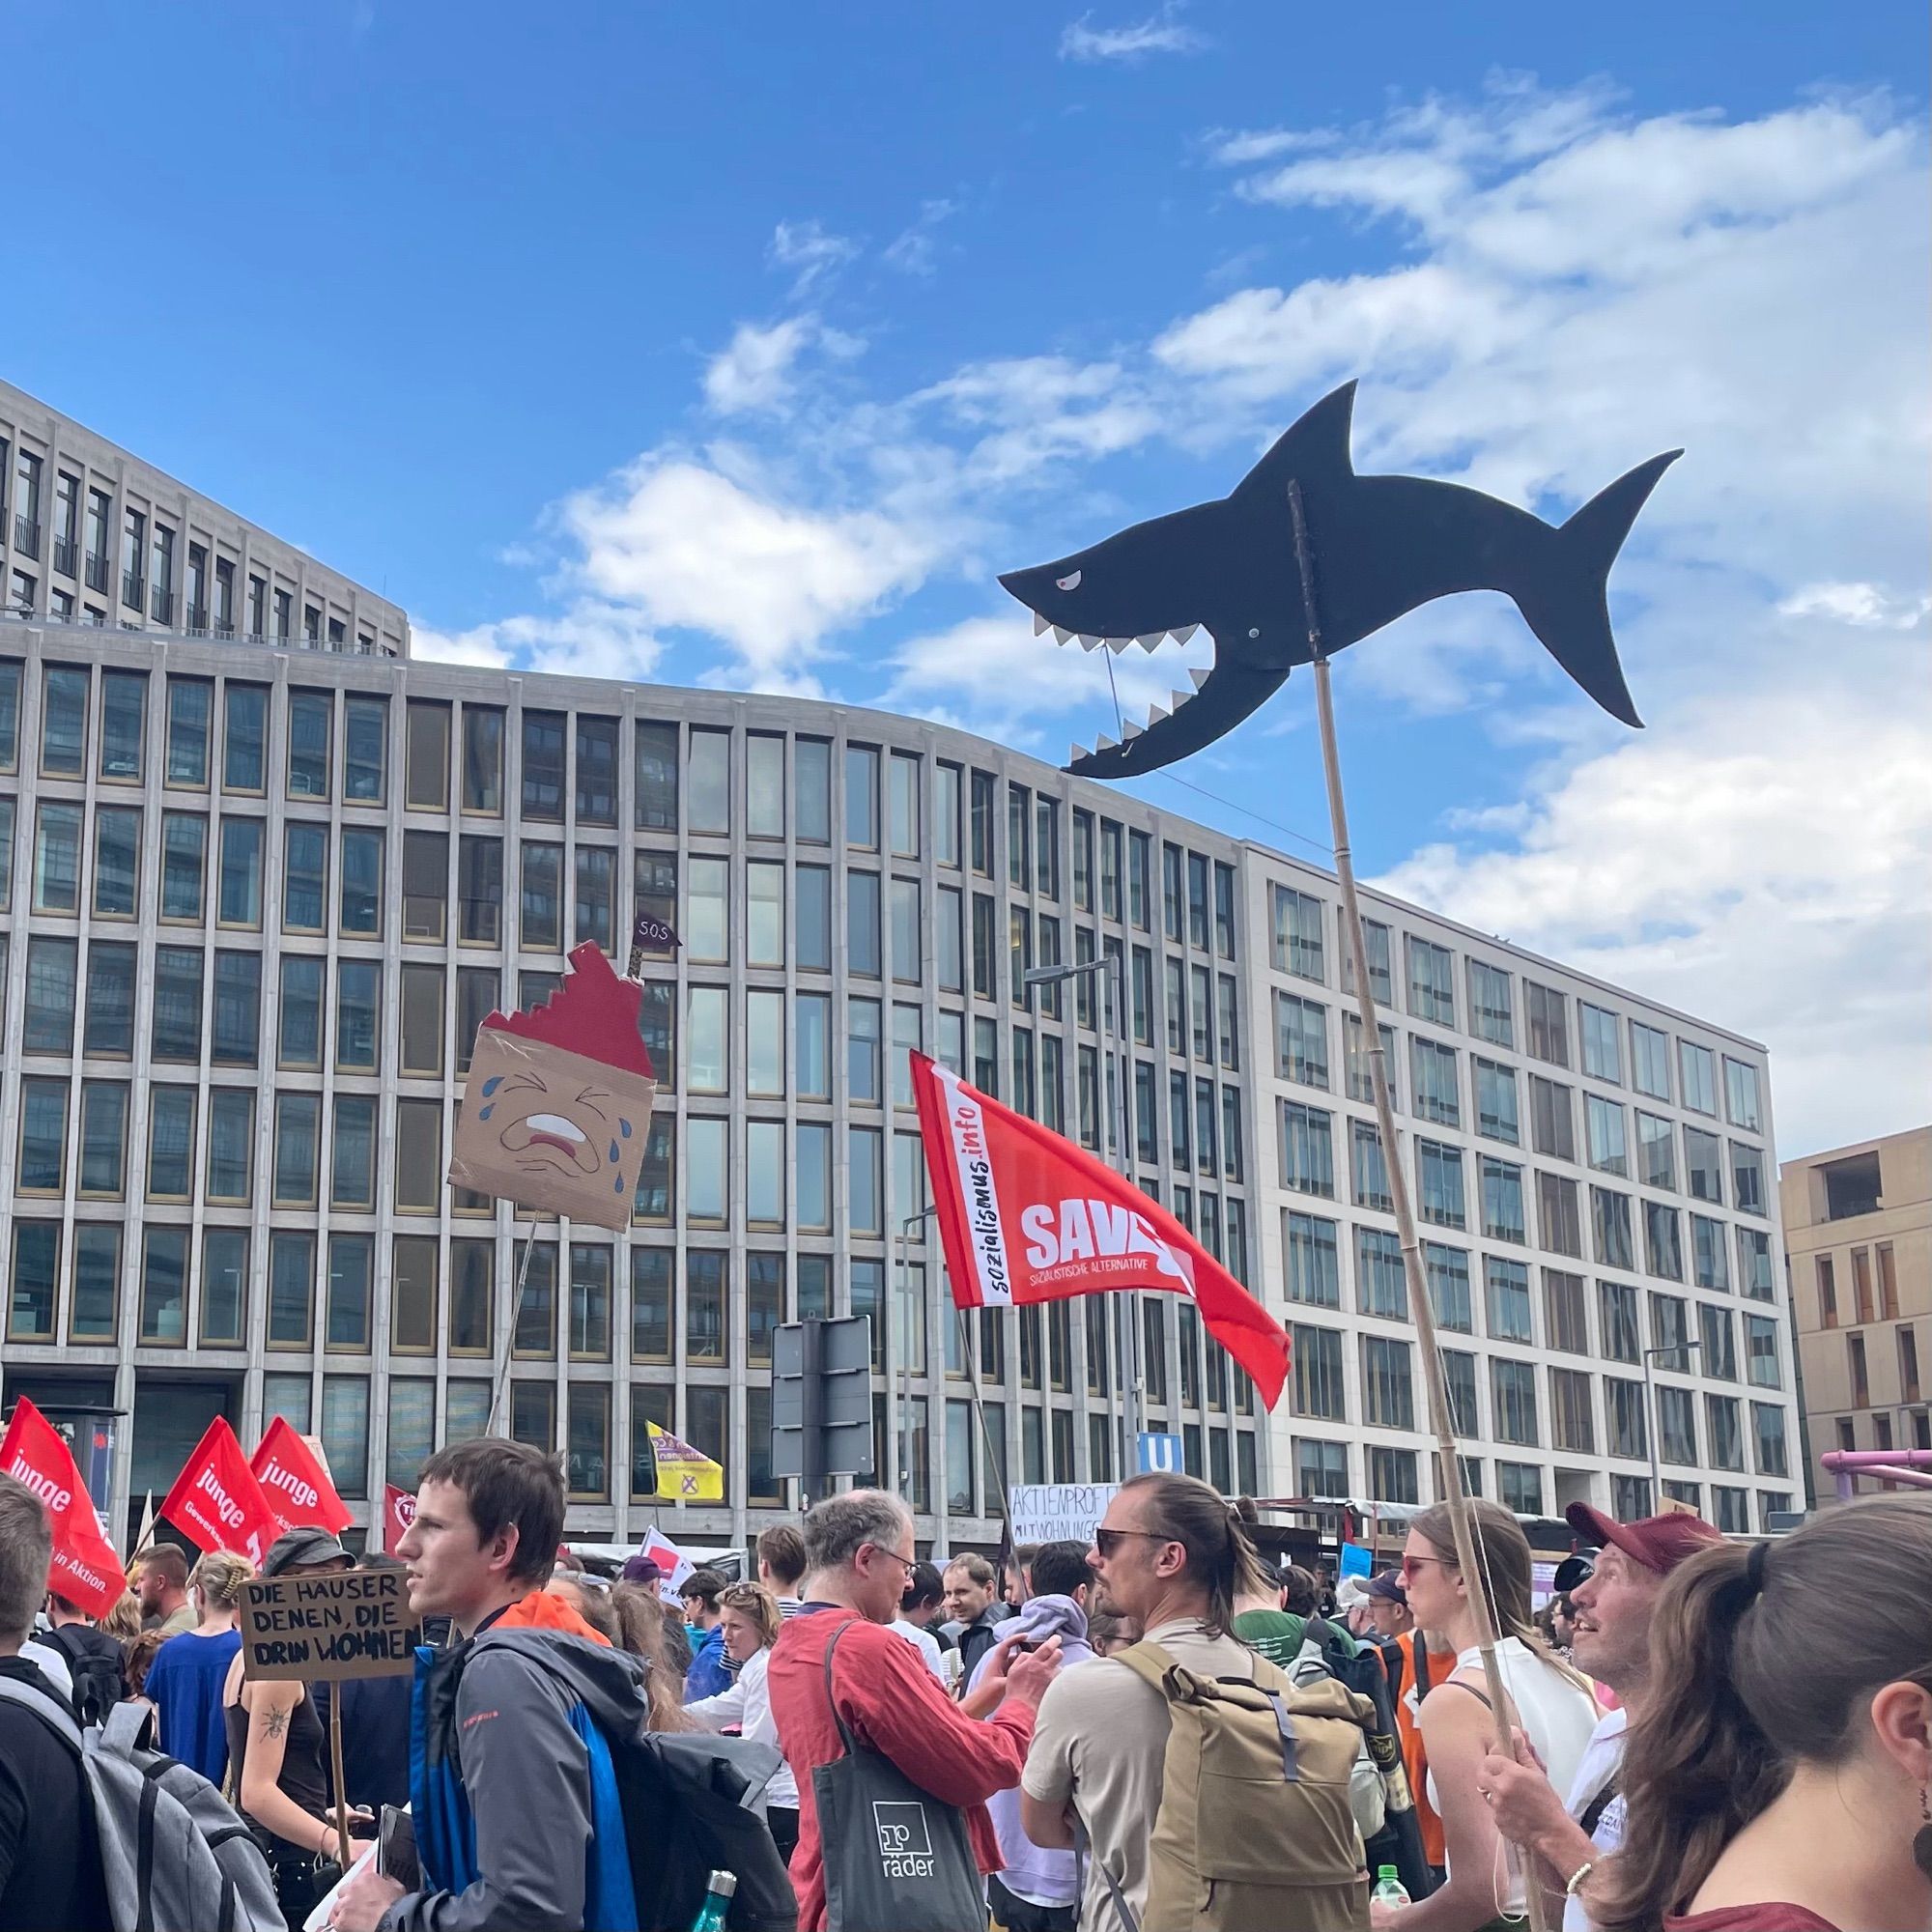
1386 1588
304 1545
642 1570
1660 1543
1350 1593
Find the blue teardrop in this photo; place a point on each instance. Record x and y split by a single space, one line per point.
624 1126
618 1185
484 1114
614 1149
490 1084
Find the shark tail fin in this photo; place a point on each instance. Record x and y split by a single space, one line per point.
1568 609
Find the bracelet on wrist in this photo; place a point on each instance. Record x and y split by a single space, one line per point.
1576 1880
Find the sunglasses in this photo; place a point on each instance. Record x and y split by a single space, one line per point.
1411 1565
1108 1540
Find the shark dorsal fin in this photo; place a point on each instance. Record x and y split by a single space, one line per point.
1315 444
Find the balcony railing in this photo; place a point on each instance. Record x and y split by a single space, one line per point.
98 571
26 535
63 557
199 633
197 616
130 588
162 605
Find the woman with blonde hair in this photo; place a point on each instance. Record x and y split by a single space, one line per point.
643 1629
1555 1708
185 1684
749 1615
1780 1778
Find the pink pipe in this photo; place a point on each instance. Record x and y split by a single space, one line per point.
1889 1465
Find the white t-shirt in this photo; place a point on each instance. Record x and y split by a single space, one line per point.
1602 1756
927 1646
748 1704
54 1666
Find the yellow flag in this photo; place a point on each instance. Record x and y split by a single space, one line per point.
684 1475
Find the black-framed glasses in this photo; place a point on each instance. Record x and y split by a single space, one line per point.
909 1564
1108 1540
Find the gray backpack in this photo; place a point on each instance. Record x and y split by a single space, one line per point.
175 1855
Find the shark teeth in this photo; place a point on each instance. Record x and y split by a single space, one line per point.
1116 645
1131 730
1040 626
1077 755
1153 640
1103 743
1199 675
1156 715
1185 633
1061 637
1176 698
1087 643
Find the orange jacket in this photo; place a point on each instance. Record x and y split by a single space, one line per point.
1414 1758
540 1611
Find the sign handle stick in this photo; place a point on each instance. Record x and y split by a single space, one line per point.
335 1769
1462 1518
516 1316
994 1457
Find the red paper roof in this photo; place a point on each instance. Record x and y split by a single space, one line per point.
593 1013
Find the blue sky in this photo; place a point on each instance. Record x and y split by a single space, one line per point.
744 345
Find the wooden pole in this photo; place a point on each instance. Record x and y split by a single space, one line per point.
516 1316
1442 1419
335 1768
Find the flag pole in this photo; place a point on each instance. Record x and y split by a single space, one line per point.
1462 1519
995 1456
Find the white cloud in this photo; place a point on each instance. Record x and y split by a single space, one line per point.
687 546
1863 605
754 370
1159 33
811 252
589 640
914 251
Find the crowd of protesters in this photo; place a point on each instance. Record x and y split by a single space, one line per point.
1700 1733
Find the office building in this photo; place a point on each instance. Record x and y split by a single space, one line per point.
1858 1230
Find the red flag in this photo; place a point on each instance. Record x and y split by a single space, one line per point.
399 1511
294 1483
85 1569
1027 1216
217 1500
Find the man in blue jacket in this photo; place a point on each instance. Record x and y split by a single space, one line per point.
515 1803
709 1673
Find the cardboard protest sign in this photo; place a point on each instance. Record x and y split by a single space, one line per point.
85 1569
295 1482
347 1623
218 1503
1058 1512
558 1100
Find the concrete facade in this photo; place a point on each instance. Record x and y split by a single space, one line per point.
1858 1227
91 536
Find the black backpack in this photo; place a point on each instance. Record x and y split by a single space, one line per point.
94 1661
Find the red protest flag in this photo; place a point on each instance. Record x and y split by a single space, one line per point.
218 1503
399 1511
294 1483
85 1569
1026 1216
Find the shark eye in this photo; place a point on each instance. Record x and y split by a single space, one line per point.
1068 583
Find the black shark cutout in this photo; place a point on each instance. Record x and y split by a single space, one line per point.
1382 545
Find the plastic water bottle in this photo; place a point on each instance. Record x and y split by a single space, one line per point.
717 1904
1389 1889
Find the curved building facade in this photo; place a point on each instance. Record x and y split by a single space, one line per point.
257 898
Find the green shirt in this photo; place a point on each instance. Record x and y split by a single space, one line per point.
1275 1634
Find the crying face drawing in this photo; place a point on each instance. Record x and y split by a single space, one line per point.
560 1128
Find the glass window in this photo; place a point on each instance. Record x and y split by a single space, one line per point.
707 934
42 1165
64 694
1439 1183
426 756
1552 1119
544 766
164 1287
1704 1165
1447 1271
764 910
1301 1039
655 762
596 770
48 1024
1432 983
418 1156
244 738
472 1274
1367 1170
908 929
297 1148
239 896
1492 1015
1381 1286
184 865
596 919
57 834
864 1155
94 1312
1314 1274
300 1038
1698 1075
1318 1380
1754 1271
1513 1398
1747 1177
1388 1400
358 1008
1433 1070
812 913
1549 1023
483 760
541 923
304 877
1603 1135
1307 1150
1496 1101
707 1017
170 1143
124 727
352 1171
861 923
177 1017
231 1145
764 1174
708 807
30 1302
1297 933
764 1044
1741 1105
1503 1218
365 748
311 718
1767 1427
104 1138
1508 1286
1650 1060
945 813
1602 1058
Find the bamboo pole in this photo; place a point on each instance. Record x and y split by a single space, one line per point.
1442 1419
510 1340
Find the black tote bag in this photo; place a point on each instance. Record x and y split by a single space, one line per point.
897 1859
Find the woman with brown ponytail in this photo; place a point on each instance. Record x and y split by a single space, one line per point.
1781 1776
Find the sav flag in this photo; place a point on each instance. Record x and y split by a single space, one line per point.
1026 1216
399 1512
218 1503
296 1483
85 1569
685 1474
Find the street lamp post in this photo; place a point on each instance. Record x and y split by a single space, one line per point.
1128 1363
1681 1347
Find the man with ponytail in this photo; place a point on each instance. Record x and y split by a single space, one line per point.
1779 1776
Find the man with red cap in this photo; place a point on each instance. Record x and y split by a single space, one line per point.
1613 1608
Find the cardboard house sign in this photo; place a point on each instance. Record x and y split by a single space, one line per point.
559 1101
349 1623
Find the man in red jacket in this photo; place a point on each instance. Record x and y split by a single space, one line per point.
858 1552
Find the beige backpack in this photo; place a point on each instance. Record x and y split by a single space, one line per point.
1255 1832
